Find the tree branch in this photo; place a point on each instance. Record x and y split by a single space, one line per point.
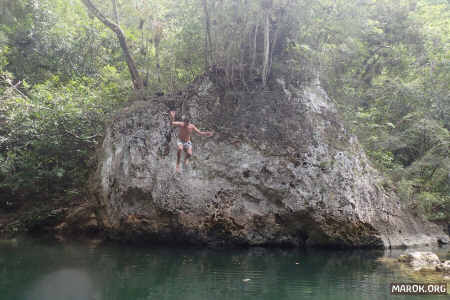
135 77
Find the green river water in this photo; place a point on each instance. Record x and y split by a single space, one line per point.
39 270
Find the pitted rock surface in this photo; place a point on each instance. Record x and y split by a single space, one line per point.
421 260
280 169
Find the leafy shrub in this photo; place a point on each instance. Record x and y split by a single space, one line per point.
48 137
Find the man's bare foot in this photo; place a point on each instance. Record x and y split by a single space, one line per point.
177 169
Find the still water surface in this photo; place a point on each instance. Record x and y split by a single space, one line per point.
36 270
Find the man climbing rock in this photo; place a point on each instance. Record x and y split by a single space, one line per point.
184 138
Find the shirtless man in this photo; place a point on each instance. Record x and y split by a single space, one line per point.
184 138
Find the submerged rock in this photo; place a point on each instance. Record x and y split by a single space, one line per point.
444 267
443 241
280 169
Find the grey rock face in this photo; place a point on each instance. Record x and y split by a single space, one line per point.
280 169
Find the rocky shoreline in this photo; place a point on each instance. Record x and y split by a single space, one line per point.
421 265
77 220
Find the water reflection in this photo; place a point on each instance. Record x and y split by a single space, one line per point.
56 272
64 284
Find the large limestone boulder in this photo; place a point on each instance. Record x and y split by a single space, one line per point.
420 260
280 169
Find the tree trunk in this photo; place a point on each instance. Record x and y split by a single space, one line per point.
265 71
274 43
158 66
115 12
208 43
252 66
135 77
157 36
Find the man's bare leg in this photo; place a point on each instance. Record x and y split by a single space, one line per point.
180 149
187 156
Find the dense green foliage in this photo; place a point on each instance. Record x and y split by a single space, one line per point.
53 100
385 62
392 82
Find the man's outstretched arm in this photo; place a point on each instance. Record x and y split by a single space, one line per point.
172 119
206 133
